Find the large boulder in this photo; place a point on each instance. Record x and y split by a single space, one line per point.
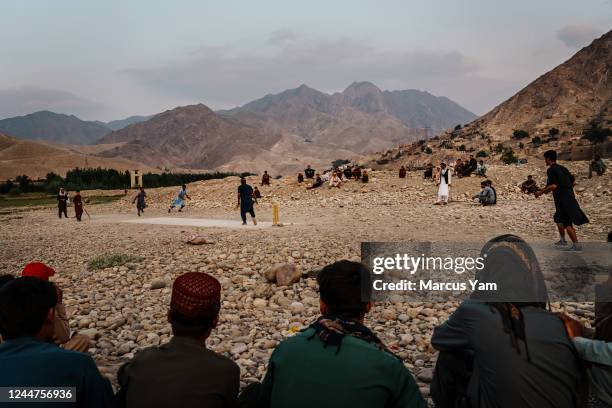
283 274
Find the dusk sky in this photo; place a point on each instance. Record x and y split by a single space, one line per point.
111 59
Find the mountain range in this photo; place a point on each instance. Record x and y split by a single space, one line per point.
60 128
53 127
285 131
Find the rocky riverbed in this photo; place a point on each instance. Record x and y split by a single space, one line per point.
124 307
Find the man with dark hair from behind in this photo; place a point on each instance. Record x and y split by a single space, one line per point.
28 357
503 348
567 211
183 372
337 361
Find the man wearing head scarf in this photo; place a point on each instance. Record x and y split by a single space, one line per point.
183 372
338 361
503 348
61 324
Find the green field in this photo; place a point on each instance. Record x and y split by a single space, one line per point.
45 200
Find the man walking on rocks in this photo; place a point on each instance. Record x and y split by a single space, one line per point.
337 361
245 201
567 210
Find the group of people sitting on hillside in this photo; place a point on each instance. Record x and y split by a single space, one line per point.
460 169
465 168
334 177
501 348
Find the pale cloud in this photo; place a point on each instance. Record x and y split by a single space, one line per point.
578 35
28 99
282 36
225 77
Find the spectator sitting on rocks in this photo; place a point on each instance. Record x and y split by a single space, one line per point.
61 330
300 178
337 361
356 173
364 177
348 172
597 166
503 348
486 196
335 180
28 356
402 172
470 167
481 169
4 279
458 169
265 178
309 172
183 372
596 352
429 171
256 194
529 186
318 183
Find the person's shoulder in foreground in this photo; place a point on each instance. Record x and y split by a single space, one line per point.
28 356
184 372
338 361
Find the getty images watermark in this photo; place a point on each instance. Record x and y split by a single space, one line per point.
507 270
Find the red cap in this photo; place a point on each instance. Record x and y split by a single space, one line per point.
196 295
38 270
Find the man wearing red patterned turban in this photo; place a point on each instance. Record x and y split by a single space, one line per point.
183 372
61 329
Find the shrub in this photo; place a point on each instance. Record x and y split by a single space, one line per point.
481 153
428 150
508 157
520 134
340 162
596 134
553 131
462 148
111 260
536 141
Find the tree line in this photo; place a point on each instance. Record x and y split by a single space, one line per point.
102 179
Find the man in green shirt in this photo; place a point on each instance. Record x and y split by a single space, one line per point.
337 361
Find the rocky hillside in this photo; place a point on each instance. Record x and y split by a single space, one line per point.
36 159
196 137
53 127
373 118
552 112
121 123
567 98
416 109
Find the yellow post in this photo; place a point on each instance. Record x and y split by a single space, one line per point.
274 214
